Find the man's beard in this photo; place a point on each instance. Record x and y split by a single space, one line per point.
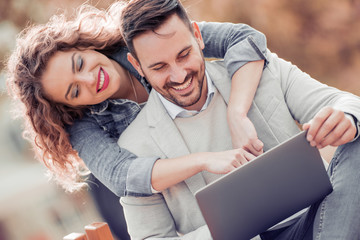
179 100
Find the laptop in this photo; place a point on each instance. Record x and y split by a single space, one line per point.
265 191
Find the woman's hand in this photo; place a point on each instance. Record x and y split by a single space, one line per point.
224 162
243 134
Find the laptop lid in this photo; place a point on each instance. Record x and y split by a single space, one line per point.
265 191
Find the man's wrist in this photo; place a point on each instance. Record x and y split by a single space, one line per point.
355 123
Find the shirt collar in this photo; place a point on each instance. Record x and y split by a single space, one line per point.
177 111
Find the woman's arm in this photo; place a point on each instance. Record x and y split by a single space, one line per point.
237 44
244 52
243 88
107 161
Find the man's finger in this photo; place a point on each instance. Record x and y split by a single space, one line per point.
249 156
346 137
336 134
236 163
255 148
314 125
241 157
258 145
329 125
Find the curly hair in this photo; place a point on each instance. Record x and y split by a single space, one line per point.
45 120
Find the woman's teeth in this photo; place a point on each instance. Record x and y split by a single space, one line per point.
183 86
102 80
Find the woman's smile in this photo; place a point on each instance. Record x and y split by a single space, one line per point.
103 80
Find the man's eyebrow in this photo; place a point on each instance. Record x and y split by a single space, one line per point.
73 70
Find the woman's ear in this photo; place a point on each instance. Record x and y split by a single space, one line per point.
135 64
197 35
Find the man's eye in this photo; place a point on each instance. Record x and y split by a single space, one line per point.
79 63
158 68
185 54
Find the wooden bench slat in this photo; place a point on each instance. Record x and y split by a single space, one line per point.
75 236
98 231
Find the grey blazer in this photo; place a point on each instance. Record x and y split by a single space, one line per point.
285 94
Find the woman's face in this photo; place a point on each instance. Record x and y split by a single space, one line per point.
79 78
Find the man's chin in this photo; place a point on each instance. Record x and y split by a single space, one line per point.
187 103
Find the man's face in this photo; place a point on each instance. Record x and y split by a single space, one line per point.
171 59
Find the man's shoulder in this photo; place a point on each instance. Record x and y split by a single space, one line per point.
136 131
138 125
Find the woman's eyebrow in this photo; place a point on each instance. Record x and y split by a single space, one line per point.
68 90
73 62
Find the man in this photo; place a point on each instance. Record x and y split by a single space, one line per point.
187 113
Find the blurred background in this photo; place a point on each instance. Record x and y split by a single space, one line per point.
322 37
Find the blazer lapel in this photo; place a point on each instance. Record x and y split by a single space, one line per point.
168 138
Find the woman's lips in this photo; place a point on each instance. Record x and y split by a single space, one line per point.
103 80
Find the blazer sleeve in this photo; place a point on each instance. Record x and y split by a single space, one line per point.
237 44
150 218
306 96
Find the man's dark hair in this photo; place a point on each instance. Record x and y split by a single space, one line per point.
140 16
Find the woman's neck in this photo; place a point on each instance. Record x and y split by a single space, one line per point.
142 94
130 87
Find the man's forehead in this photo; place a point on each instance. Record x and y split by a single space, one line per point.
170 37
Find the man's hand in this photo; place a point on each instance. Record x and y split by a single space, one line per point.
227 161
329 127
243 135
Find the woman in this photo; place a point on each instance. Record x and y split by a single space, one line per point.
74 116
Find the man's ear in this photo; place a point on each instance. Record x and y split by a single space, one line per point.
135 64
197 35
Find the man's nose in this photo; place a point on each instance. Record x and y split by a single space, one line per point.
87 78
178 74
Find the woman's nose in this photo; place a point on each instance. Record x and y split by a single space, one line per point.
86 78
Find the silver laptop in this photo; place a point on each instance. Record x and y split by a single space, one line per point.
260 194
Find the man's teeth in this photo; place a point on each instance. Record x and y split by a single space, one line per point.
184 86
102 80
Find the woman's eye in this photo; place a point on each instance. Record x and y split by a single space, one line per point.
75 92
79 63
